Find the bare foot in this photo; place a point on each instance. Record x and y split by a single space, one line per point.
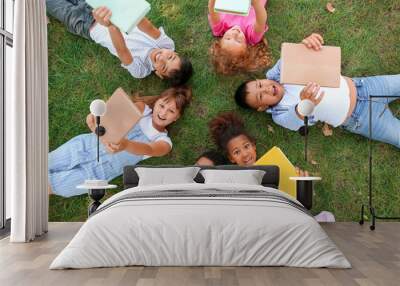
302 173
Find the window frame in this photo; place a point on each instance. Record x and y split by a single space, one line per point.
6 39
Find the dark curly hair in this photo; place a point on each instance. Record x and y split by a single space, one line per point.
181 75
225 127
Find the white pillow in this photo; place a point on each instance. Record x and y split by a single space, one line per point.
248 177
166 176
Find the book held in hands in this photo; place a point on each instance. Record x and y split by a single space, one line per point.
276 157
236 7
126 14
120 117
301 65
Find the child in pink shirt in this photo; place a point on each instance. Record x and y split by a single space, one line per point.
241 47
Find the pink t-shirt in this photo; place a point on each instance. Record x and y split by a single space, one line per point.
246 24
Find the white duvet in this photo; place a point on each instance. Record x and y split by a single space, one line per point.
188 231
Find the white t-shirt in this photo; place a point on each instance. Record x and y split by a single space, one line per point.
334 106
146 125
140 44
332 109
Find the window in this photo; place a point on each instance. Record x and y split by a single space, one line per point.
6 43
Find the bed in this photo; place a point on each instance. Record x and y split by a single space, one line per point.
201 224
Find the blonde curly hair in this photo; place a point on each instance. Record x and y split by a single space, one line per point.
255 58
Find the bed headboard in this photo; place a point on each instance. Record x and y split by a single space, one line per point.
270 179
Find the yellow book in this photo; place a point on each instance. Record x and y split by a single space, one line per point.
275 156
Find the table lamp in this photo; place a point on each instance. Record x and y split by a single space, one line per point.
305 109
98 109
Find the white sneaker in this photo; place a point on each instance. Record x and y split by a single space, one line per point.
325 216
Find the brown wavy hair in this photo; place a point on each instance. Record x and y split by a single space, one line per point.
255 58
181 94
225 127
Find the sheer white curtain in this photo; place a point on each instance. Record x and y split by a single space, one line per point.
27 123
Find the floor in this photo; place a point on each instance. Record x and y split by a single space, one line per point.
375 257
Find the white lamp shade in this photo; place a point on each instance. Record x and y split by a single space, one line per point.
98 107
305 107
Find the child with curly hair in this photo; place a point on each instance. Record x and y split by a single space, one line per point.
242 47
229 133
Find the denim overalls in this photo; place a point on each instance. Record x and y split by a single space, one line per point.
76 160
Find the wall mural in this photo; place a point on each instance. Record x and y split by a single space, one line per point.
185 83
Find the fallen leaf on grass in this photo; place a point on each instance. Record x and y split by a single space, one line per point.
330 7
327 130
201 111
270 128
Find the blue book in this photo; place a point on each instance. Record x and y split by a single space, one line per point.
126 14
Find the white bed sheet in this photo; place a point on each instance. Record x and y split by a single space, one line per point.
200 232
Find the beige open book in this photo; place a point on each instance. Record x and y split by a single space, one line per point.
120 117
301 65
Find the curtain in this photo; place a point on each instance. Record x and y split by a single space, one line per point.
27 123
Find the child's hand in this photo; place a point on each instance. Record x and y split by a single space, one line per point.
314 41
312 92
102 15
90 121
301 173
114 148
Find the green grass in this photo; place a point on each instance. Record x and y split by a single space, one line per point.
368 32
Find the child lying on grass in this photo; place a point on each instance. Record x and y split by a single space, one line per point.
346 106
241 47
76 160
144 50
229 134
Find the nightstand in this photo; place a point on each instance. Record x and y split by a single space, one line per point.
96 193
304 189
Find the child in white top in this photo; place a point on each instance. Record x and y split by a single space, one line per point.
346 106
76 160
144 50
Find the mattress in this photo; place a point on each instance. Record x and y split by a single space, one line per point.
201 225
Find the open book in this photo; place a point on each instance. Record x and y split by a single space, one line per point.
236 7
126 14
120 117
301 65
276 157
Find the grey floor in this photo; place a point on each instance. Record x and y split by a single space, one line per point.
375 257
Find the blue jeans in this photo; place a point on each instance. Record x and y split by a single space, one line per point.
385 126
76 15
